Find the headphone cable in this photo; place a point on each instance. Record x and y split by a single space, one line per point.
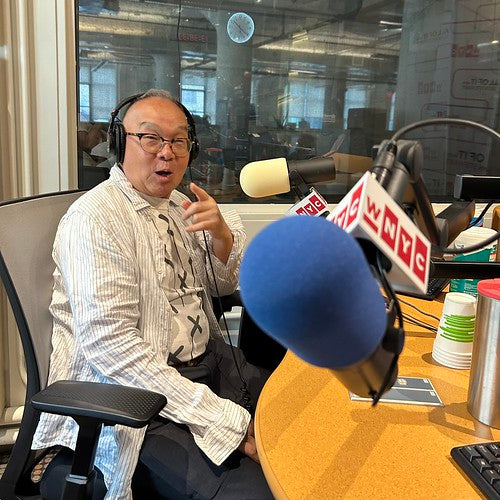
244 387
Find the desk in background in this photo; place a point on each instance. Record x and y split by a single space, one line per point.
314 442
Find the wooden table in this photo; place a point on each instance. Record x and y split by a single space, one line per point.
315 443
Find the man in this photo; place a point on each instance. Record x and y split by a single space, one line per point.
131 306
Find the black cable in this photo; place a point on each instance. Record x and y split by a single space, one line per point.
472 248
443 121
244 388
179 59
480 216
447 121
394 303
410 321
417 322
419 310
387 287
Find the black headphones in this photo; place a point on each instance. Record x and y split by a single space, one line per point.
117 135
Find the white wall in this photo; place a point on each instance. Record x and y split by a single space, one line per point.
55 109
256 217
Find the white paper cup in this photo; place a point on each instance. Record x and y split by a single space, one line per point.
453 344
459 303
445 360
461 361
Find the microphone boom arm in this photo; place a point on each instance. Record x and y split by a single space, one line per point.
399 170
298 184
402 179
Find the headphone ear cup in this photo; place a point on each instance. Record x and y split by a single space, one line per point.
111 137
119 142
195 150
116 130
195 147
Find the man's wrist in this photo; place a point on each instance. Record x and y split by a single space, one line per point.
226 236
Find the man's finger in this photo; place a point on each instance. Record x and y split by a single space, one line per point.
200 226
193 208
200 193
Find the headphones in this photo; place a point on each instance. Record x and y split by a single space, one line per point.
117 135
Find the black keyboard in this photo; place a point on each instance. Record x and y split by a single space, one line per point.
434 288
481 464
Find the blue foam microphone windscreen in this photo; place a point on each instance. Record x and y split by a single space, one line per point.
306 283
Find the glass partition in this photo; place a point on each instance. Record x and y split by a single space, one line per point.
283 78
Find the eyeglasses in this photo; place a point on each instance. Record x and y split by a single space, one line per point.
153 143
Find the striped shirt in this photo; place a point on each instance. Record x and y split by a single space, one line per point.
112 323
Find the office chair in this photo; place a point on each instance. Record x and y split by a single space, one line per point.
259 349
225 304
27 231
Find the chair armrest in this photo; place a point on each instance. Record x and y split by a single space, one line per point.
108 403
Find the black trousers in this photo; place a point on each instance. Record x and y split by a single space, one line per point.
171 466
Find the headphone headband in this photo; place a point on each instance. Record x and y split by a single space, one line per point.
123 103
117 135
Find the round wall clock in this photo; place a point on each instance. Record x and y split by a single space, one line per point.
240 27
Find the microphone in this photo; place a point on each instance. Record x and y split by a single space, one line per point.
276 176
306 282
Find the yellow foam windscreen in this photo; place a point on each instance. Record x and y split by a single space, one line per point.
265 178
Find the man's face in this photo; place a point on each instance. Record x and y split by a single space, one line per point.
154 174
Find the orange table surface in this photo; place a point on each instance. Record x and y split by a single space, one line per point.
315 443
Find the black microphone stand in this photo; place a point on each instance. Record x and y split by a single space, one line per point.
463 270
298 184
398 167
301 188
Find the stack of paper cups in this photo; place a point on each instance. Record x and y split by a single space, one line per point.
453 343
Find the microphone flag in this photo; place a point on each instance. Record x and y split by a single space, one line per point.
368 212
313 204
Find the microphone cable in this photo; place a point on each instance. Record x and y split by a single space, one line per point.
480 216
397 332
246 398
408 318
414 321
433 316
443 121
471 248
179 58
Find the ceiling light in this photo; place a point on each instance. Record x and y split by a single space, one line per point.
389 23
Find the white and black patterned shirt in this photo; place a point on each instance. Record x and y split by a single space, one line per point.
113 323
190 330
